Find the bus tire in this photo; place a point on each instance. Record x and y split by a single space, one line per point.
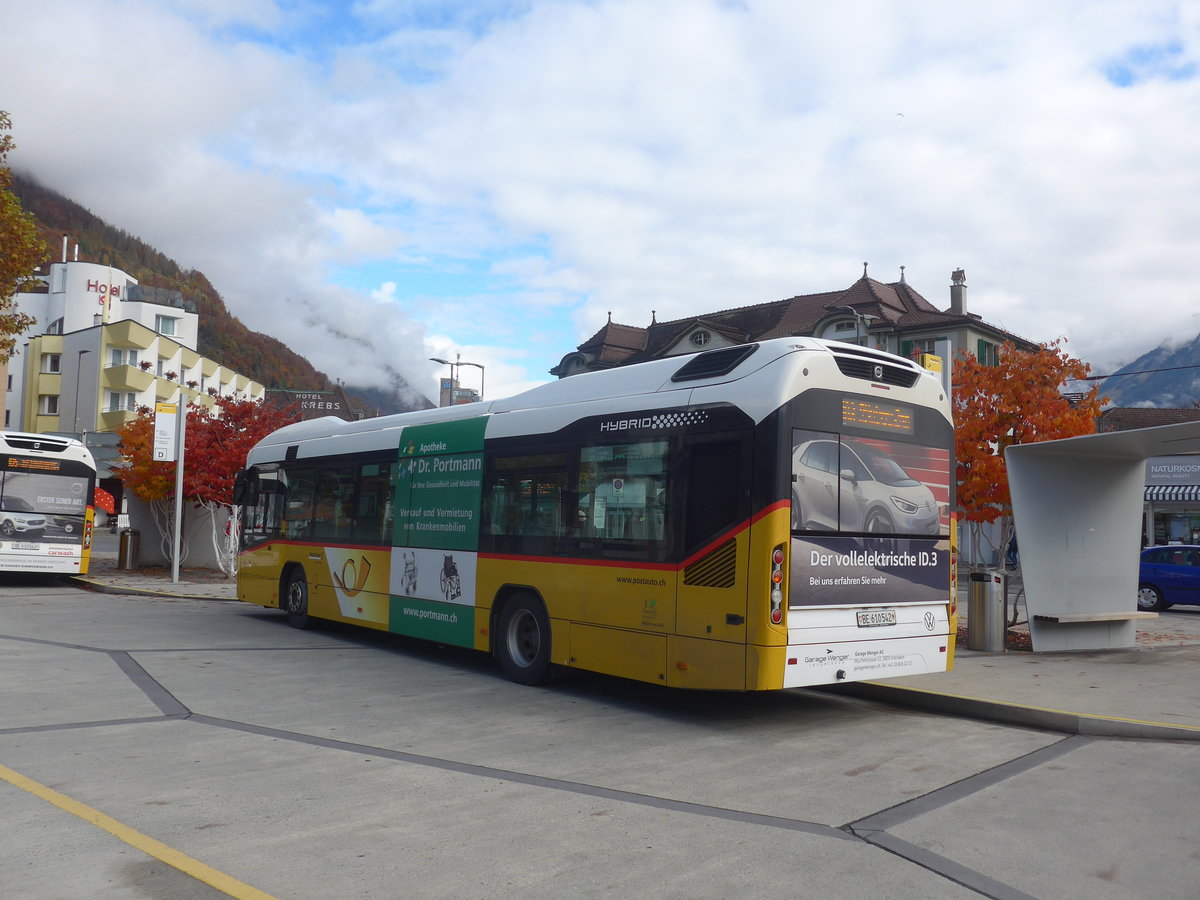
295 599
524 645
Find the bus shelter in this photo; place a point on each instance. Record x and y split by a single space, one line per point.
1077 506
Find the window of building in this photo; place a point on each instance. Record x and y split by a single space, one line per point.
700 338
115 401
7 417
165 324
914 348
48 404
159 370
55 327
10 382
51 363
988 353
120 356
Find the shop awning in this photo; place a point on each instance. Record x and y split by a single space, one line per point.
1173 492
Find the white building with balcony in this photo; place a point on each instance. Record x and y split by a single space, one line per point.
102 347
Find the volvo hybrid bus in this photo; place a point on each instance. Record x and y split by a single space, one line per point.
754 517
47 484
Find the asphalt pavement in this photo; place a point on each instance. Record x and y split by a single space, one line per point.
1149 691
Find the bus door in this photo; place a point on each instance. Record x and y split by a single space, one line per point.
619 531
711 607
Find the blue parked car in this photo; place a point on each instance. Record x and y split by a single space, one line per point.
1169 575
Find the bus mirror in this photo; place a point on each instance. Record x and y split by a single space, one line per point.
245 489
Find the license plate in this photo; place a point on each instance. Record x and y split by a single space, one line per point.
869 618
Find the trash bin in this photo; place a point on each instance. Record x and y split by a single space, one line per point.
986 628
127 550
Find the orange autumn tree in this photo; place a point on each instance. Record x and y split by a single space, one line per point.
1017 401
216 442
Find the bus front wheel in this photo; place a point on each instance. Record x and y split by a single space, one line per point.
524 647
295 599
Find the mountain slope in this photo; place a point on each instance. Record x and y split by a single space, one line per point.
1169 378
222 336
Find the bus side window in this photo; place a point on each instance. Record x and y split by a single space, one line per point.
262 518
298 512
621 499
373 509
523 499
333 508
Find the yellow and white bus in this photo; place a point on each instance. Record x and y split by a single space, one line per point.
754 517
47 485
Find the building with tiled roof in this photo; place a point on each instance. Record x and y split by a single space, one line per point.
1126 418
891 317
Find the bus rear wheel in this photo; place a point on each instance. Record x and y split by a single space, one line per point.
524 646
295 599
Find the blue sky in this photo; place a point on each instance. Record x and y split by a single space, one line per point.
383 181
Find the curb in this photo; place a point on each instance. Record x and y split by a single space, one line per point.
1015 714
89 584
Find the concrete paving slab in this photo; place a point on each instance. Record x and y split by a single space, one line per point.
1140 835
394 829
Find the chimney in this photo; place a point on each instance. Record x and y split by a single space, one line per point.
64 248
958 292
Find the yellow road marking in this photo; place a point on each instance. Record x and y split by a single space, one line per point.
227 884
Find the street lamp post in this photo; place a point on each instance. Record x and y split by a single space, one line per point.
453 378
479 366
860 320
78 372
454 369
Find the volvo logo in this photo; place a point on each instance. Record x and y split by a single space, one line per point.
879 373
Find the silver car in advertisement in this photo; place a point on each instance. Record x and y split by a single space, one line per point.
17 516
851 486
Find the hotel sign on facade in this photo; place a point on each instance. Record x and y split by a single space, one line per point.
316 404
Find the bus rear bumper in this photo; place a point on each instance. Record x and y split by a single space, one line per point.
831 663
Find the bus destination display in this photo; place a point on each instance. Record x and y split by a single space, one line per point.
888 417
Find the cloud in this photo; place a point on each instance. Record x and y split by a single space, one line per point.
503 174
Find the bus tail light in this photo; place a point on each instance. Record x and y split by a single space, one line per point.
777 559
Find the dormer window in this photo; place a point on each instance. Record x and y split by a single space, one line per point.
845 326
700 338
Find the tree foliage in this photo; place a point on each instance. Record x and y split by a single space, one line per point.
21 249
1017 401
215 448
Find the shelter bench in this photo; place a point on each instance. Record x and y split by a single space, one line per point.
1067 618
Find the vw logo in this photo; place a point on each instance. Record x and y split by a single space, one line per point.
879 373
930 621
